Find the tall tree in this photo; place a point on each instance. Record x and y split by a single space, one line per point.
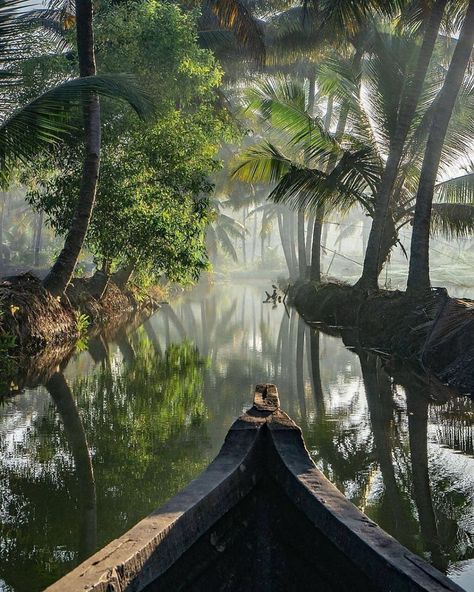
60 274
409 100
419 274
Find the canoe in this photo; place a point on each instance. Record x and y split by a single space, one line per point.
261 518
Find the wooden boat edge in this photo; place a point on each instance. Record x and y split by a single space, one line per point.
133 559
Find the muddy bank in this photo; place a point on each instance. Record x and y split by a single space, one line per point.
36 320
436 332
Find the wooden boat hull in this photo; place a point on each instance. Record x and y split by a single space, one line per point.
261 517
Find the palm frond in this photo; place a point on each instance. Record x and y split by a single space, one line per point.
307 189
13 45
456 190
351 16
45 120
295 34
452 220
261 164
235 16
281 102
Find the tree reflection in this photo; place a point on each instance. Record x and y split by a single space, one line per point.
151 407
144 421
66 407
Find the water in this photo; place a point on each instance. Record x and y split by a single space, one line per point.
125 425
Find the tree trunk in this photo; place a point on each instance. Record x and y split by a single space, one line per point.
284 244
244 250
378 258
291 216
61 273
419 272
122 276
38 237
309 238
254 238
315 273
315 270
409 102
301 245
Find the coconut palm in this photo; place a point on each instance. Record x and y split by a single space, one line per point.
223 230
408 101
350 20
296 158
26 129
418 277
61 273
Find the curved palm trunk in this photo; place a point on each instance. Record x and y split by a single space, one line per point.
284 243
419 270
372 263
61 273
315 273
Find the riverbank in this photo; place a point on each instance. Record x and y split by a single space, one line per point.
32 321
436 332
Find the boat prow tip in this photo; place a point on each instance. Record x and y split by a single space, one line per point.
266 397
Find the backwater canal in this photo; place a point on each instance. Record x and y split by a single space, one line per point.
126 424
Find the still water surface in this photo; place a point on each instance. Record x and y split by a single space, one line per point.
128 423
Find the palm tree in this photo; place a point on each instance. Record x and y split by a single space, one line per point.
297 160
312 166
418 276
408 101
27 129
61 273
223 230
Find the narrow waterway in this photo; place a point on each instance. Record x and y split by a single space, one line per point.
126 424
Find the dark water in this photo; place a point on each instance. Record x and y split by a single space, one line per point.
127 424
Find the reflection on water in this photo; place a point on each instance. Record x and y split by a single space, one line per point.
127 424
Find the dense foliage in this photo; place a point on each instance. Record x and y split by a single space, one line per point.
152 204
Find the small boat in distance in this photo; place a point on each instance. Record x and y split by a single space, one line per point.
261 518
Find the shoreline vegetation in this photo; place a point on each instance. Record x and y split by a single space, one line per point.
39 331
433 331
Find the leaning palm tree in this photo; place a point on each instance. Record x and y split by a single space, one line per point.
26 129
408 101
